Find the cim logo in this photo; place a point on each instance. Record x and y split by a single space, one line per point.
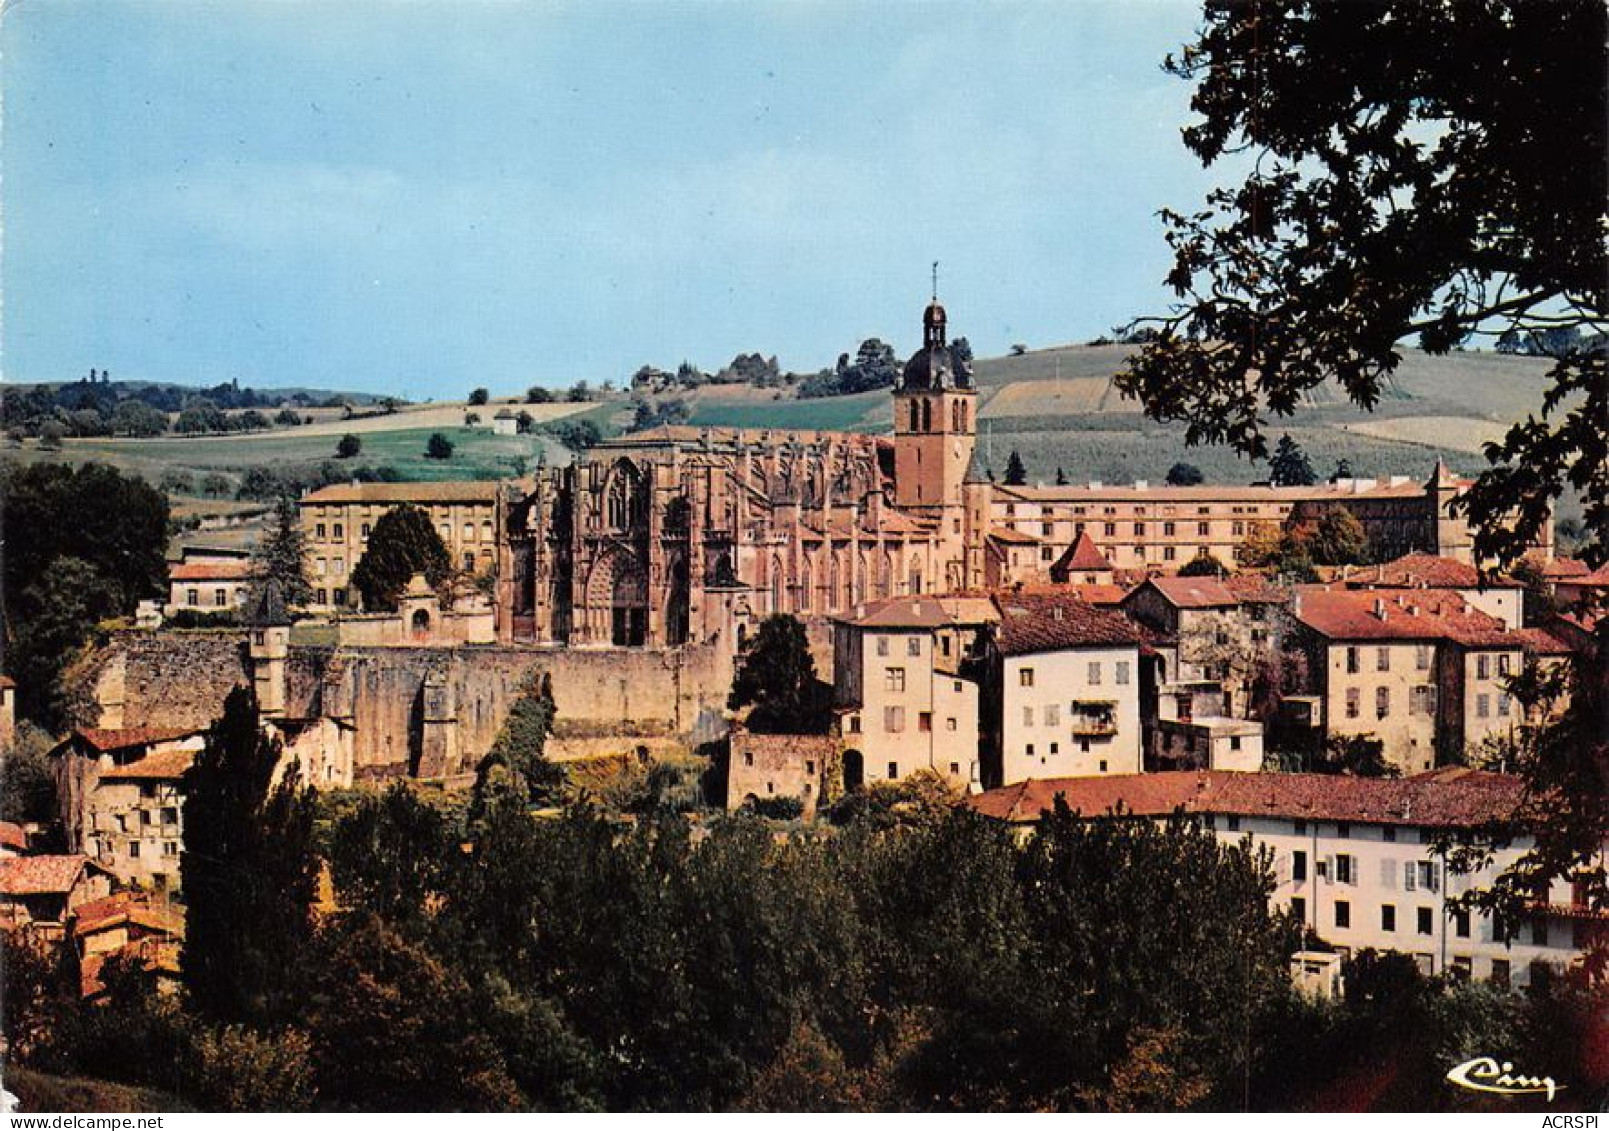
1485 1074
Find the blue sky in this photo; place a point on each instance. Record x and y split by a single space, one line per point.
420 197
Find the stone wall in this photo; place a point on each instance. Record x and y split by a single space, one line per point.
428 711
166 679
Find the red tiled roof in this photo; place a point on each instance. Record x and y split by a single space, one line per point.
1102 596
41 875
7 681
121 738
1255 589
1597 579
1360 614
1446 801
1557 569
133 907
1083 556
1012 537
169 765
13 835
210 571
1194 592
1050 622
1417 571
926 612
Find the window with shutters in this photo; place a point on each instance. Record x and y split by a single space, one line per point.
1382 702
1095 673
1343 913
1122 673
893 679
1353 698
1025 677
1052 715
1346 869
913 646
1027 716
1421 657
882 645
1299 866
1352 665
1483 667
893 719
1382 659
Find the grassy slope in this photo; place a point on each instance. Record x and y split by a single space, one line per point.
39 1092
1057 407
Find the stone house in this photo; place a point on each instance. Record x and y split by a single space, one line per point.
132 925
41 893
780 765
1211 633
208 581
906 695
1420 670
136 820
85 755
1064 690
1354 858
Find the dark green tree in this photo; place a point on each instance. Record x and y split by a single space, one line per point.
394 1027
521 744
1016 473
81 545
136 418
1061 477
1336 538
1289 467
248 872
438 447
404 542
1202 565
1343 470
349 446
776 680
1183 475
479 396
1390 194
281 556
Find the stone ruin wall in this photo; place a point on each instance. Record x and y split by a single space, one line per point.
435 709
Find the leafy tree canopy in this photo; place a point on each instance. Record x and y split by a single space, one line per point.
776 679
1432 169
404 542
1184 475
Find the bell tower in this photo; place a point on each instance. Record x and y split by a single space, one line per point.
935 420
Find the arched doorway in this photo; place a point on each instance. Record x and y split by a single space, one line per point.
854 770
677 604
617 597
420 624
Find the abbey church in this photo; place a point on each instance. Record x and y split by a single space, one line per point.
685 535
682 534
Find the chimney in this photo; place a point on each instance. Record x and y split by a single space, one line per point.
1380 607
1142 484
1094 484
1055 613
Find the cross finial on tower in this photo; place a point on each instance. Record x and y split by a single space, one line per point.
935 280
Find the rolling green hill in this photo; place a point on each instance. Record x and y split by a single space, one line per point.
1059 409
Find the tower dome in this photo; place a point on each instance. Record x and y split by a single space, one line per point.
935 365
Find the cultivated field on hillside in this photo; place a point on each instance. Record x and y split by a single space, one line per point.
1058 408
328 422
